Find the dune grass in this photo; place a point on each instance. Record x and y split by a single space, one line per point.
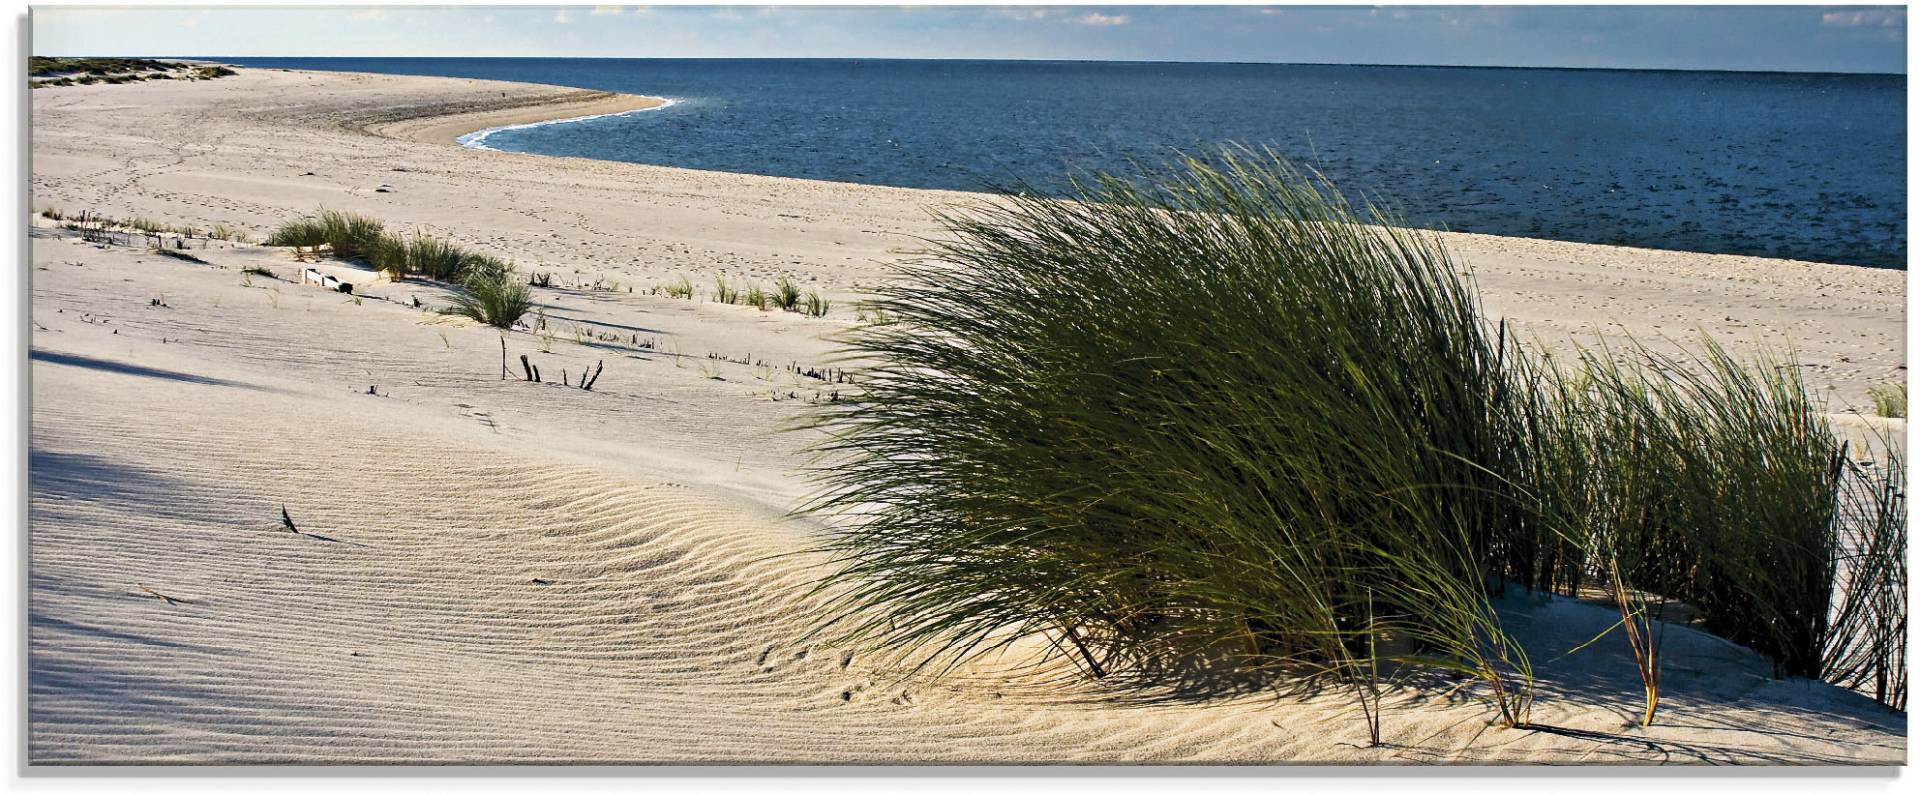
813 305
495 294
1209 414
1248 429
786 294
679 288
351 236
1889 400
347 235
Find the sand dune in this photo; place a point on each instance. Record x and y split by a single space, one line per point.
490 570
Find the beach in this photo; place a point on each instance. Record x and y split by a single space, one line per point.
483 569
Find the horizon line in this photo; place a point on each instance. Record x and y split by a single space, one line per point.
1014 60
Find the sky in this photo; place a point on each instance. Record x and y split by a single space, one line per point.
1763 38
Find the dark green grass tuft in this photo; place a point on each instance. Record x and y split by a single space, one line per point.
786 294
495 294
1205 415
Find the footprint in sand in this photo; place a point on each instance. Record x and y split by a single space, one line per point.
847 695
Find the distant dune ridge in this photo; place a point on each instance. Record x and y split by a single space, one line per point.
491 570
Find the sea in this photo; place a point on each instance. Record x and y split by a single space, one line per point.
1802 166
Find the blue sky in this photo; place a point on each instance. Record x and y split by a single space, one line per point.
1787 38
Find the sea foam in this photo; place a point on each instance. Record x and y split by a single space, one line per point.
478 140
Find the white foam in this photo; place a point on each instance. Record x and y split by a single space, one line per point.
478 140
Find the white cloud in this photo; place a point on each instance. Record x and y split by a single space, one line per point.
601 11
1097 18
1024 14
1874 18
369 13
562 17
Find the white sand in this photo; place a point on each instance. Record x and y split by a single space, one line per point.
405 623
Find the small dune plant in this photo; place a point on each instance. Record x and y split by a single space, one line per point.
724 292
1216 421
786 294
814 305
1890 400
756 297
494 294
679 288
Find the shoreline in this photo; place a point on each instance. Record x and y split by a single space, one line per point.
478 138
458 125
457 121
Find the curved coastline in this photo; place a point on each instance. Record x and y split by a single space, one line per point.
456 121
478 138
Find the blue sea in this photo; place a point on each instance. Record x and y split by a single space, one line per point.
1806 166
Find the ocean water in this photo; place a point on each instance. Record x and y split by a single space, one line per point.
1806 166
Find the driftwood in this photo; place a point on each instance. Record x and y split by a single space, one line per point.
163 596
587 381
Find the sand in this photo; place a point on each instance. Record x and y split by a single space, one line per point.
489 570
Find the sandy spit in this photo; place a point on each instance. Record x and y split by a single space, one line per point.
494 571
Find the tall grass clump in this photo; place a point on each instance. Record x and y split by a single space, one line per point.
1696 479
1209 420
1866 646
814 305
440 260
495 294
1203 415
786 294
298 233
347 235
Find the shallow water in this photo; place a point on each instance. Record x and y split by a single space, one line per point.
1804 166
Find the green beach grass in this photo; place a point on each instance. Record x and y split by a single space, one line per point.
1207 418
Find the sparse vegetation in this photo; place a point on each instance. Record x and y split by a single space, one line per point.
1890 400
786 294
43 72
679 288
723 292
814 305
44 66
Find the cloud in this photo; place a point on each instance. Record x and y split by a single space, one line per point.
369 13
1872 18
1097 18
562 17
601 11
1024 14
